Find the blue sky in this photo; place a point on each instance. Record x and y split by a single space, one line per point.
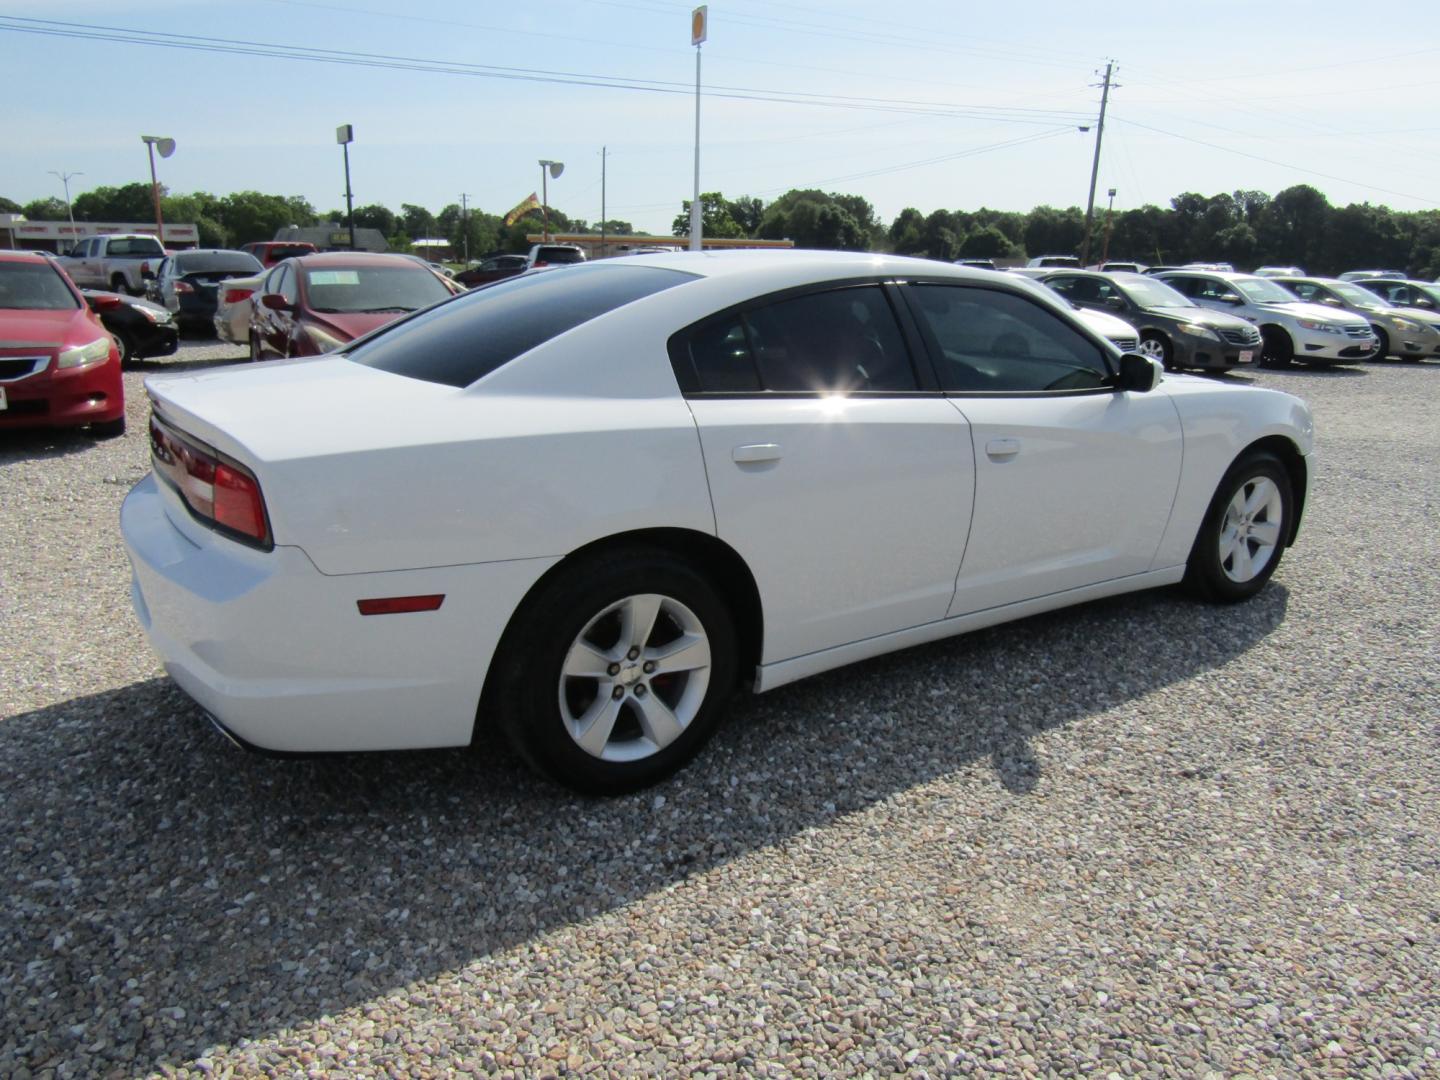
933 105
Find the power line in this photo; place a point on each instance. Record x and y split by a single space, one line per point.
1281 164
243 47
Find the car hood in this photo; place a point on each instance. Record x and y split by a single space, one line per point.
1301 309
1217 320
30 329
349 325
1105 324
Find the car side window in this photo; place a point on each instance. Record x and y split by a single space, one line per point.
1306 291
1210 289
988 341
1183 285
838 341
286 286
1065 286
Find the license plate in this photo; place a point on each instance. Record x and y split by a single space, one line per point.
1247 355
4 404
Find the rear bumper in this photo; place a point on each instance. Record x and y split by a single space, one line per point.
278 653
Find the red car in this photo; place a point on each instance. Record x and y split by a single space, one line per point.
317 303
58 365
270 252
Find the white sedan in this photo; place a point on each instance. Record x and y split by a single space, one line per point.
582 507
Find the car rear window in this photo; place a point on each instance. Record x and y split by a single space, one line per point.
202 262
559 255
469 337
136 245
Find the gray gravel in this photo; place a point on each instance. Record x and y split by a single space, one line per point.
1147 837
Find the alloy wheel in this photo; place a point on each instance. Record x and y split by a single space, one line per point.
634 678
1251 530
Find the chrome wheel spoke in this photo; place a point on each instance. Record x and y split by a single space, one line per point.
592 730
1265 533
637 620
1240 567
585 661
686 653
660 724
1260 496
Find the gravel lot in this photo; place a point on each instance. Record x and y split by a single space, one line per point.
1146 837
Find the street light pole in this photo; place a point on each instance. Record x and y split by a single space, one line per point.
166 147
1109 223
345 135
65 179
699 31
547 170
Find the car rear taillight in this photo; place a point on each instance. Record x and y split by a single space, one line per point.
216 490
184 287
234 296
541 262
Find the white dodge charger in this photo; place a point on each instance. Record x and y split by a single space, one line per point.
582 506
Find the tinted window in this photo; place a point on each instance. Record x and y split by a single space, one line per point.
470 337
139 245
990 341
559 255
33 286
840 341
200 262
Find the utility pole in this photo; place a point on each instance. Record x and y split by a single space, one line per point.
1095 165
465 224
602 202
345 135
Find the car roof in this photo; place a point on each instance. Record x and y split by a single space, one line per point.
355 258
23 257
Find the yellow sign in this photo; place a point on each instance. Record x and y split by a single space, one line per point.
699 18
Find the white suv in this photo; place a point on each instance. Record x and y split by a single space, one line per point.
1290 329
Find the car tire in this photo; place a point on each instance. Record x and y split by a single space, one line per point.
1276 348
583 688
125 347
1384 350
108 429
1157 347
1244 532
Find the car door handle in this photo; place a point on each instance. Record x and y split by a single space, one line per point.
745 455
1002 448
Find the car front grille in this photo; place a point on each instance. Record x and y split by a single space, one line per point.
20 367
1247 336
1126 344
1357 331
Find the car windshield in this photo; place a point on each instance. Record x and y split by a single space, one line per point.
1263 291
1355 294
204 262
1148 293
33 287
466 339
135 245
360 289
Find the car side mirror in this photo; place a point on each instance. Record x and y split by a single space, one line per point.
1114 303
1231 298
276 302
1138 373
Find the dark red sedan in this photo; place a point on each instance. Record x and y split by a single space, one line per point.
317 303
58 365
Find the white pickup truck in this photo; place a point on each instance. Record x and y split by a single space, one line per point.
118 262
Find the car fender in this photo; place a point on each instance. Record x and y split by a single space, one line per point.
1218 421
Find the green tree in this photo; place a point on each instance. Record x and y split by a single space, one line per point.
47 209
748 211
131 202
1293 226
252 215
813 219
1049 231
375 216
987 242
715 217
416 221
906 232
10 206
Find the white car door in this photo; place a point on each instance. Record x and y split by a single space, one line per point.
1074 480
843 481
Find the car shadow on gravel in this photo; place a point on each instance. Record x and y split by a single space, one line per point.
32 444
169 893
